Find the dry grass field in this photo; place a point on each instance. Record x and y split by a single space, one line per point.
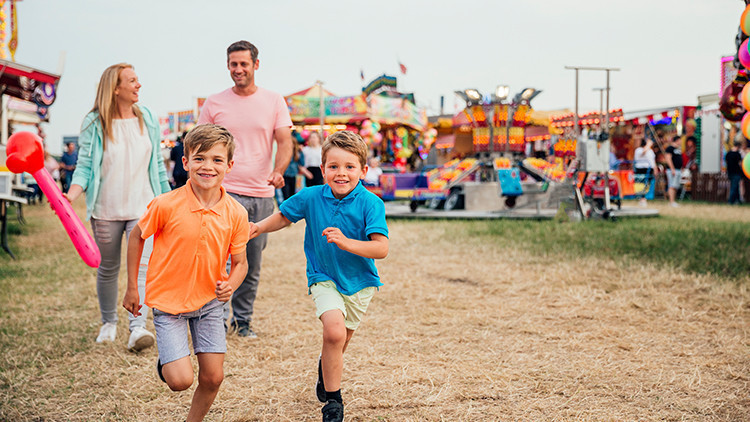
466 328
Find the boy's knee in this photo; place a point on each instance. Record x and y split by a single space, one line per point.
211 379
334 335
179 383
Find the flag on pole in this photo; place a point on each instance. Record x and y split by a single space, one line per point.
403 68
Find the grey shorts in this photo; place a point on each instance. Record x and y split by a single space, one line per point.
206 327
673 179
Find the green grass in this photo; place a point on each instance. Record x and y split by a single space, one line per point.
696 246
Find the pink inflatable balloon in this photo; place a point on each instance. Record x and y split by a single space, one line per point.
744 55
25 154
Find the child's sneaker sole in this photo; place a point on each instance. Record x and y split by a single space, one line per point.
158 370
320 389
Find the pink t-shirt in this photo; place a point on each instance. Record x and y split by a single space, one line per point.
251 120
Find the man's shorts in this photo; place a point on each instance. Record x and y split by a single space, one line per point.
673 179
206 327
328 298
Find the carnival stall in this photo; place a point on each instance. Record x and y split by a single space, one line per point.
395 129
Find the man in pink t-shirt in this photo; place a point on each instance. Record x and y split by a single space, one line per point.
255 117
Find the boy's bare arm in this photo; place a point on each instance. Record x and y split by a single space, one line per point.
131 301
375 248
269 224
224 289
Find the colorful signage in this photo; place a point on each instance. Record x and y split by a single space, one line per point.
390 110
336 108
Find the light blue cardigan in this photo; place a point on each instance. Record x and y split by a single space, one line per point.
91 150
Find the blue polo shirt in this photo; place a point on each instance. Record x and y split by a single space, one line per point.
358 215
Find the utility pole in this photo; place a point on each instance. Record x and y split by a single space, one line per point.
606 126
321 108
606 69
601 102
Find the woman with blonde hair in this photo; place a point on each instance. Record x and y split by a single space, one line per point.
121 170
312 154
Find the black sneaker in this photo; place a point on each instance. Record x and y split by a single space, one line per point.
158 370
333 411
320 389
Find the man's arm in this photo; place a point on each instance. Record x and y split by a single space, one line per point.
283 136
131 301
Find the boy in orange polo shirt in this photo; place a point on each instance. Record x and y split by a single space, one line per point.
195 228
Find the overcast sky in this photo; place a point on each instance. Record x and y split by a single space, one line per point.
668 50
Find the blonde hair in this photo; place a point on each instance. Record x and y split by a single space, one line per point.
204 137
320 139
348 141
106 104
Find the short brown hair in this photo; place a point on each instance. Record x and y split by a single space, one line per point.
348 141
243 46
204 137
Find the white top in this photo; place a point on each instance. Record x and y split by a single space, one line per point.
125 188
644 158
373 175
313 156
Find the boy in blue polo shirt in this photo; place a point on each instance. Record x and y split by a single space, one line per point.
346 231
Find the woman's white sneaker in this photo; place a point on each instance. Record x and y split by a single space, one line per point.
140 339
107 332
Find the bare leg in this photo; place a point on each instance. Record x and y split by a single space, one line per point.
349 334
178 374
210 376
335 338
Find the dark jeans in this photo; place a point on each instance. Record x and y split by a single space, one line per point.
290 186
67 178
734 188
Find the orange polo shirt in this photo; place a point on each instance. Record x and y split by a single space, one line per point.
191 247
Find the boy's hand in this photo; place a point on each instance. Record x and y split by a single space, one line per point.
254 231
334 235
223 291
130 302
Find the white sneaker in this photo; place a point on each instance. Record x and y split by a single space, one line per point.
140 339
108 332
675 205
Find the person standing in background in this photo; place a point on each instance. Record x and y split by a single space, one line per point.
296 166
255 117
121 170
68 165
312 153
179 175
674 165
644 166
733 160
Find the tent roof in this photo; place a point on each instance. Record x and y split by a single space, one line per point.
313 91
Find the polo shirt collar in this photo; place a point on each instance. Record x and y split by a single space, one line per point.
196 206
328 193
